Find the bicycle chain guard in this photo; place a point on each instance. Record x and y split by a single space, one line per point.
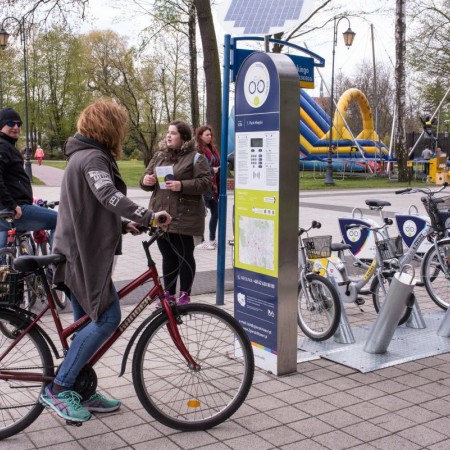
86 382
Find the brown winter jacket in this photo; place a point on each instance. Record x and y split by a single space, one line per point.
89 228
187 207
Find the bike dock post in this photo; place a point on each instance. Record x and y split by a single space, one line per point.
416 319
397 298
344 334
444 328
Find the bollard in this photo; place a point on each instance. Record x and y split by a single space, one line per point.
444 328
399 296
344 334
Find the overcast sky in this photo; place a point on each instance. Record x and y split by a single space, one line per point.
123 21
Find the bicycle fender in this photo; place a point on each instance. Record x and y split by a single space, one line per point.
28 317
136 334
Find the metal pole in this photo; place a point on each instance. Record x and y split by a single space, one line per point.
221 252
329 170
25 84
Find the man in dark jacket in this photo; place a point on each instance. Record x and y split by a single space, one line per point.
16 193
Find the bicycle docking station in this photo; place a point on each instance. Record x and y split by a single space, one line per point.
266 208
399 297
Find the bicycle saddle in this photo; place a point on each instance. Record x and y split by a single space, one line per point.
32 263
373 203
338 246
6 214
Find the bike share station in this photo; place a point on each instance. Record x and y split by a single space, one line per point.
384 343
266 217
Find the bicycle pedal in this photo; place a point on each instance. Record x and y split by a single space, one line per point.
360 301
74 423
366 292
420 283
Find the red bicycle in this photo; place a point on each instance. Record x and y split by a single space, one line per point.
192 365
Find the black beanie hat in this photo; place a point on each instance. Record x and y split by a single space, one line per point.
7 114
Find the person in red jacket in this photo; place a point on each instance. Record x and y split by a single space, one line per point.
39 154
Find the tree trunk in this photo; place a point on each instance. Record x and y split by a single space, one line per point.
195 110
211 66
400 93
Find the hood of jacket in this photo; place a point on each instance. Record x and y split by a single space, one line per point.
79 143
187 147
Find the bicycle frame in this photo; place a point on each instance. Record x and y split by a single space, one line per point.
154 294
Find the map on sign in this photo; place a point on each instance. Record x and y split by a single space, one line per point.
256 242
266 17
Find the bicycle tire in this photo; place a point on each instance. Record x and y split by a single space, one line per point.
19 400
32 289
319 313
435 277
378 298
180 397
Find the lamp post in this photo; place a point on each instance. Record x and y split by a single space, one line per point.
349 35
3 44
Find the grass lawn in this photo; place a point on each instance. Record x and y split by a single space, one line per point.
132 172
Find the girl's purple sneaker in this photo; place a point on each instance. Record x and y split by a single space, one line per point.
184 299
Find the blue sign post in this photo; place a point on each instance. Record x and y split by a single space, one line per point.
266 208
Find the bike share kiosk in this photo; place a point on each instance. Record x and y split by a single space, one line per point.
266 208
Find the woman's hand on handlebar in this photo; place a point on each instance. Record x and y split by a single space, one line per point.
133 228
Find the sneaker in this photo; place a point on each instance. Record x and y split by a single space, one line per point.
207 245
66 404
99 403
169 297
184 299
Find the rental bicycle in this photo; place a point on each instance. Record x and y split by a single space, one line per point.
318 305
20 244
192 366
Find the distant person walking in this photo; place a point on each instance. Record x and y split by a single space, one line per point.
427 154
39 154
206 146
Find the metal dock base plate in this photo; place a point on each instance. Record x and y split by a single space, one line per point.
407 344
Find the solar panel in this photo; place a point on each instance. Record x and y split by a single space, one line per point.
264 16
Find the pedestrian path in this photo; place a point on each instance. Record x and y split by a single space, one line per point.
324 405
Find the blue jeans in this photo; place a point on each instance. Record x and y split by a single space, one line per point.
87 341
213 207
33 218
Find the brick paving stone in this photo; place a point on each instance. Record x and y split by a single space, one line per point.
394 442
412 380
366 431
442 425
215 446
228 430
315 407
391 402
432 374
40 438
418 414
157 444
139 433
311 427
341 399
262 403
258 422
322 374
443 445
249 441
307 444
337 440
366 392
272 386
438 405
281 436
389 386
193 439
287 414
342 383
414 396
436 388
339 418
422 435
293 396
19 442
392 422
366 410
298 379
107 440
66 446
318 389
391 372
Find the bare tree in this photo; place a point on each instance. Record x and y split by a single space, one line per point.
401 151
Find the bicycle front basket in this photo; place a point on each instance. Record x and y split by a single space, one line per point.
390 248
439 212
318 246
11 286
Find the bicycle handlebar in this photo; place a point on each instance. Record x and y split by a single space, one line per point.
427 192
314 224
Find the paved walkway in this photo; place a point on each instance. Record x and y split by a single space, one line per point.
323 406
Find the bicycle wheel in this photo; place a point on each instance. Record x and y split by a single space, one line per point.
184 398
378 297
19 405
318 312
436 276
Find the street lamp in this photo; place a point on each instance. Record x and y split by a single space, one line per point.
3 44
349 35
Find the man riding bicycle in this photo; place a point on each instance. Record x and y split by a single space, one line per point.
16 193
